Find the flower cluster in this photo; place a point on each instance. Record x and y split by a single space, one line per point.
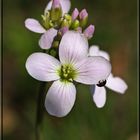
72 61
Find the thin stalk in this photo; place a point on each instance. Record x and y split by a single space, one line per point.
40 109
40 104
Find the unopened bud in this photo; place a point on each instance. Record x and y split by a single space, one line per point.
68 17
88 32
75 24
63 30
51 24
56 10
56 4
75 14
83 18
46 19
66 21
83 14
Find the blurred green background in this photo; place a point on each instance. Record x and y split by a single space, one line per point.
116 32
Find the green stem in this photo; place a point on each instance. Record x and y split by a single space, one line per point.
40 106
40 109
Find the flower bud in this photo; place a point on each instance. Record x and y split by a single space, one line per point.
46 19
75 14
63 30
56 4
83 14
88 32
83 18
68 17
66 21
51 24
56 10
75 24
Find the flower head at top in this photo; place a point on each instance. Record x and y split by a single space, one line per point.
114 83
50 22
74 65
56 22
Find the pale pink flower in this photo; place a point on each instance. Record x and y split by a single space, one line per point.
114 83
74 65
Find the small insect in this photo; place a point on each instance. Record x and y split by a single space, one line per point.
101 83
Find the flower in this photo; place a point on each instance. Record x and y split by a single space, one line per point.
33 25
74 65
88 32
114 83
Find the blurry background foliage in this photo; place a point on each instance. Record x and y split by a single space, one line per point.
116 32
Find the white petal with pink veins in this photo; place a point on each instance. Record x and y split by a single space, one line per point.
95 51
43 67
60 98
116 84
34 26
73 47
47 38
92 70
99 96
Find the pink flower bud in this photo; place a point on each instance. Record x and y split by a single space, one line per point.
55 4
75 14
83 14
63 30
88 32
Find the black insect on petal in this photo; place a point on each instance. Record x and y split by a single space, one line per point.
101 83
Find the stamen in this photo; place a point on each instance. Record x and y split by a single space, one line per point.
67 73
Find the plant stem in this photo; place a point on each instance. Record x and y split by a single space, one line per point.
40 109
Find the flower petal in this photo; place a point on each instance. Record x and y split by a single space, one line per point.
92 70
60 98
47 38
95 51
73 47
65 4
34 26
116 84
42 67
99 95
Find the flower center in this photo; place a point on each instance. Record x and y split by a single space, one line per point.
67 73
